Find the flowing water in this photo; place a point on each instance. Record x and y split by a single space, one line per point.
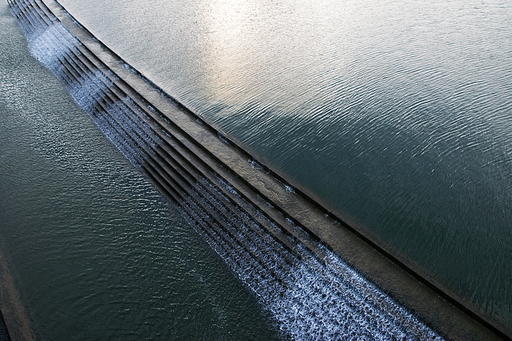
311 295
396 114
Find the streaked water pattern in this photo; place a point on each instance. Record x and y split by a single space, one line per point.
311 298
396 114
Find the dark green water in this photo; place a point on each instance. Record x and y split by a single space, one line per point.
96 252
396 114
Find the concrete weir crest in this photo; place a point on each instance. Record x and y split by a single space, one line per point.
320 277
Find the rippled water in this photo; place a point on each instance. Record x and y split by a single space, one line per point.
96 252
313 295
396 114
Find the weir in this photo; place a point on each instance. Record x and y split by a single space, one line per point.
317 275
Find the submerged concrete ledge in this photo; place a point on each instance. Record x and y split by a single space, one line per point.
15 317
221 188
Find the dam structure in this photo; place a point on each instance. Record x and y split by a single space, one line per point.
318 276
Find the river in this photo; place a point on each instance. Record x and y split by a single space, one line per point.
395 114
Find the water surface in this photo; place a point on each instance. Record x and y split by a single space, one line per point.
396 114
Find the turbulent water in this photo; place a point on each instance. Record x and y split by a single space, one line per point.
396 114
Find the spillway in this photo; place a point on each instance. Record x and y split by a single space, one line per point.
319 277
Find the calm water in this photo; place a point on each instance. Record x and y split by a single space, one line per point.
396 114
96 252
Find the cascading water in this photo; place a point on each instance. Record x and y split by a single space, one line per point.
311 291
